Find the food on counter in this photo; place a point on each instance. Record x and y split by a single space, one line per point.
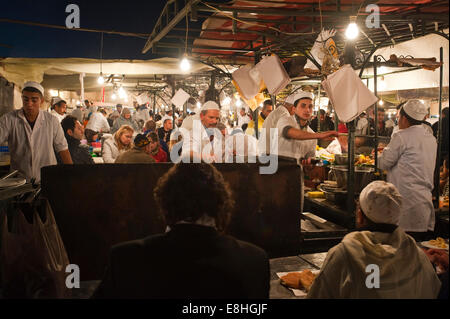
330 183
364 160
316 194
299 280
439 242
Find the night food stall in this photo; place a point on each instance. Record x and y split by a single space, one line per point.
219 39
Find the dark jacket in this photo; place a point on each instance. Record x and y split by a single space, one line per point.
79 153
163 135
190 261
326 125
135 155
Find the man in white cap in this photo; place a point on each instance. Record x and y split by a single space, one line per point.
409 160
205 141
33 135
296 140
380 260
59 108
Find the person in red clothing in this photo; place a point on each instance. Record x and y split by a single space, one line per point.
157 153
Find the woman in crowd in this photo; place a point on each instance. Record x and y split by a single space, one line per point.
119 143
158 154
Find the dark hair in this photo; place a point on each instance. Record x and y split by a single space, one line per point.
266 104
150 125
409 118
377 227
244 126
102 111
153 137
119 105
400 105
68 123
89 135
208 194
322 111
33 90
86 101
445 112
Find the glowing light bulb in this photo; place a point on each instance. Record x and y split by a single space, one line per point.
352 31
381 103
185 65
101 79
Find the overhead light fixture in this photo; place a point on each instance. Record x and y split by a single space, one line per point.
381 103
101 79
352 30
185 65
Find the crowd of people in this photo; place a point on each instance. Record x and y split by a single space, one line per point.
391 213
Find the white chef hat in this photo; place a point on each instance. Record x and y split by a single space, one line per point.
415 109
380 201
299 95
210 105
32 84
57 99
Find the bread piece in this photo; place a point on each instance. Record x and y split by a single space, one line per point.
299 280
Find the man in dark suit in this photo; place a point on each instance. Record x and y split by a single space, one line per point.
194 259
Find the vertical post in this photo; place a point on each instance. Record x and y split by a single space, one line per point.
439 133
351 169
375 108
154 105
318 112
255 114
274 100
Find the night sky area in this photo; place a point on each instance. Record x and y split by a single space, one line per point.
38 42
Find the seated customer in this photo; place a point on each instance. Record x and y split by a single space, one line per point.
156 150
140 153
73 131
194 259
117 144
404 269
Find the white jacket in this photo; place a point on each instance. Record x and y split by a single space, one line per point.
57 115
110 150
32 149
405 272
292 148
271 123
409 160
98 123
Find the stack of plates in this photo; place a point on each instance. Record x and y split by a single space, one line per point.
12 182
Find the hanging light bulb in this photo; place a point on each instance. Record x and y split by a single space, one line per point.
381 103
101 79
352 30
185 65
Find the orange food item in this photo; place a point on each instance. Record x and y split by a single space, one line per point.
299 280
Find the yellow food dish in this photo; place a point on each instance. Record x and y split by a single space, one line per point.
439 242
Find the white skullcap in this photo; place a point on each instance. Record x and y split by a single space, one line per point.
57 99
299 95
210 105
32 84
380 201
415 109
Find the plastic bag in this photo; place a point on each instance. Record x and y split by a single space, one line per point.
33 258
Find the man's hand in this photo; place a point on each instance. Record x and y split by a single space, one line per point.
438 257
328 135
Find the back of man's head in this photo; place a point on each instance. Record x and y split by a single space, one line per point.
381 202
208 195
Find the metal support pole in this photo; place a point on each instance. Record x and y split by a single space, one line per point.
255 114
154 105
351 169
439 133
375 108
318 112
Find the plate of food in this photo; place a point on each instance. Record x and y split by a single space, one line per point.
298 281
438 243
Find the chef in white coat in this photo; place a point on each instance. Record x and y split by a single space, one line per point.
409 160
296 140
33 135
59 108
203 142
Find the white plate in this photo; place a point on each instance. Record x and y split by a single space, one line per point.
12 182
428 245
